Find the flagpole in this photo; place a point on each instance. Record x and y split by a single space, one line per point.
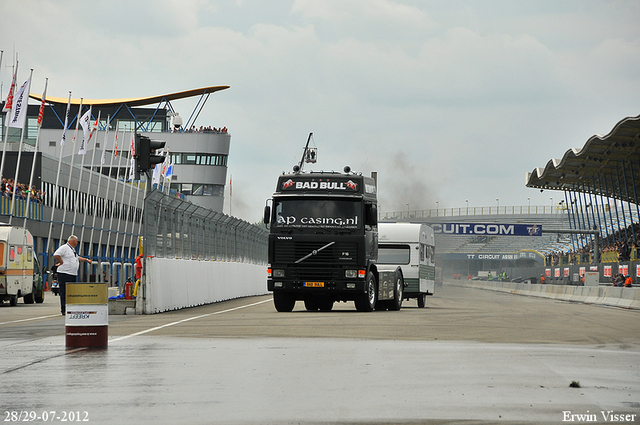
35 151
115 194
104 216
86 202
124 186
134 217
102 158
7 106
56 188
15 179
83 149
73 155
126 223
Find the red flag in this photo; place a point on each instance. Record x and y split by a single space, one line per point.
9 103
44 96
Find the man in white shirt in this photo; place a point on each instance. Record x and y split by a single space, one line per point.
67 262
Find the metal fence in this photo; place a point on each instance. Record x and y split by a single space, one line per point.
174 228
468 211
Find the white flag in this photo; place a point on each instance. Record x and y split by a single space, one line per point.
155 178
132 169
84 122
106 141
18 114
66 122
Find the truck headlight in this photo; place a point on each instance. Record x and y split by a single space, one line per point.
355 273
278 273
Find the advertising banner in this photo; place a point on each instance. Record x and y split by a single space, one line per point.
487 229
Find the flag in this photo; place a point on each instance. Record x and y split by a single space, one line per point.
157 171
116 144
18 114
94 127
230 186
133 144
41 111
84 122
132 168
106 141
169 172
66 122
9 103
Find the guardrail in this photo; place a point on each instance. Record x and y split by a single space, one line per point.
466 211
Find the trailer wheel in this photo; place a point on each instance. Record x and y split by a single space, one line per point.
283 301
366 302
422 300
13 301
398 293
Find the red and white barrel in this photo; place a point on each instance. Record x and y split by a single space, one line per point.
87 315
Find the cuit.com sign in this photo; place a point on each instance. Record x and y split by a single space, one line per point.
487 229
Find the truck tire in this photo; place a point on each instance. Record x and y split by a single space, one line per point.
283 301
311 304
398 292
325 304
13 301
422 300
39 296
367 302
28 299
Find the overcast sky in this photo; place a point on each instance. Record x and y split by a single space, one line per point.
447 100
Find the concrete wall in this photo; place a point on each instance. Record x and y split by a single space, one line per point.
175 284
602 295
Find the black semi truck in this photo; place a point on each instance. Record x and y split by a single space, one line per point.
323 244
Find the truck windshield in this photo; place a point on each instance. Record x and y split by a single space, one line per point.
394 254
310 213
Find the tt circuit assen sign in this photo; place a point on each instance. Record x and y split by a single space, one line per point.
487 229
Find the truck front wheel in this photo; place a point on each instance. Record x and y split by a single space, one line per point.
422 300
283 301
367 302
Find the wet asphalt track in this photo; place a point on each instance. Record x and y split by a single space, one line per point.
472 355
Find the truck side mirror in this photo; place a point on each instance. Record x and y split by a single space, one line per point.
267 214
372 215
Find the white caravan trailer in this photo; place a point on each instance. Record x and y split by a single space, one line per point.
411 246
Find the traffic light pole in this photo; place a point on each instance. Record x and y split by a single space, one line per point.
143 278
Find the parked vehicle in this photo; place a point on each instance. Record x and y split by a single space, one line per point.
410 247
20 271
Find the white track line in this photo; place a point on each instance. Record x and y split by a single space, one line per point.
33 318
187 320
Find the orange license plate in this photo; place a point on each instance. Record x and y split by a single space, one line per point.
314 284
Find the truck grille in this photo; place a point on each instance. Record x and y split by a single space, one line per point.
324 274
288 252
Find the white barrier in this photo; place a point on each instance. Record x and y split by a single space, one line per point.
175 284
603 295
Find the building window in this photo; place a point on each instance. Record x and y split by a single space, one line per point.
198 189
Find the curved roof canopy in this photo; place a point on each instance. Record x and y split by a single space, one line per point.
606 165
136 101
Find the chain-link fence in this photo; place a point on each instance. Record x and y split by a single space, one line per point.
174 228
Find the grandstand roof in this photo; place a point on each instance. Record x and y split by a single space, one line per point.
136 101
606 165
